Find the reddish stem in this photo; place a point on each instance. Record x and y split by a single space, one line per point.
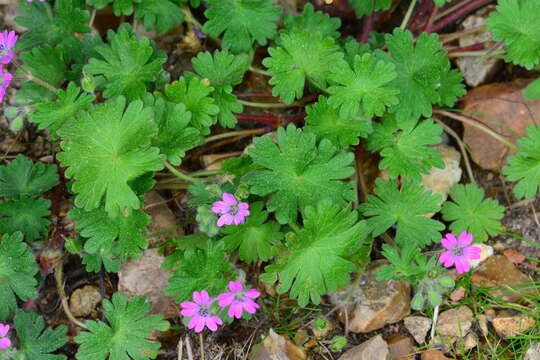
429 22
473 47
270 119
423 8
366 29
261 95
467 8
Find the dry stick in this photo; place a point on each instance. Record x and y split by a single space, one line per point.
435 318
201 345
235 133
180 349
446 38
188 348
461 148
477 125
58 273
473 5
408 15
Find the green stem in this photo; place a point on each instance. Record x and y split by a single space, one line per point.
408 15
190 19
267 105
259 71
207 173
38 81
178 173
295 227
233 134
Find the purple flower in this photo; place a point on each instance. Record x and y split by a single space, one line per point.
239 300
459 252
33 0
4 340
7 43
230 210
200 312
5 80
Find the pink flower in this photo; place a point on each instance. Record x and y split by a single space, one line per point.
200 312
459 252
7 43
33 0
5 80
230 210
239 300
4 340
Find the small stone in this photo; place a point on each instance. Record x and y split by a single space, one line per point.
434 355
470 341
376 303
276 347
83 301
455 322
501 273
483 324
401 347
144 276
373 349
457 294
418 327
533 353
485 252
509 326
501 107
440 181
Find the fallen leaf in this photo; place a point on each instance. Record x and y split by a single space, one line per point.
514 256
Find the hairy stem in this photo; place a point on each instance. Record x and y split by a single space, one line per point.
31 77
259 71
178 173
268 105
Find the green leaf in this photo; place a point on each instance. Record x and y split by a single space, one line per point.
36 341
451 87
324 121
25 215
107 147
120 7
300 55
532 91
127 336
161 15
313 21
317 261
420 68
402 259
516 23
129 64
175 136
406 208
365 88
23 178
524 167
295 172
195 95
367 7
200 270
53 114
404 146
470 212
46 63
242 22
17 270
52 29
441 2
124 235
256 239
94 262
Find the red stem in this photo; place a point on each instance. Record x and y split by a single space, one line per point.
424 6
270 119
467 8
473 47
262 95
429 22
366 30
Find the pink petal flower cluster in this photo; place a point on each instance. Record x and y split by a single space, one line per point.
7 43
459 252
33 0
202 315
230 210
4 340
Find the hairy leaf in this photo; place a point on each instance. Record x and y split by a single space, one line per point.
25 215
313 21
23 178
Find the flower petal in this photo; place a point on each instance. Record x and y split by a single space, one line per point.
235 286
199 326
225 219
225 299
243 206
465 239
189 312
229 199
197 297
4 343
472 252
4 329
252 293
449 241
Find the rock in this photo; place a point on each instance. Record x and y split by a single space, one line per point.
83 301
470 341
162 218
474 72
433 354
440 181
514 256
373 349
506 112
508 326
401 347
276 347
144 276
483 324
533 353
376 303
457 294
498 271
486 251
455 322
418 327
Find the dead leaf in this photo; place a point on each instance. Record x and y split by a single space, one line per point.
514 256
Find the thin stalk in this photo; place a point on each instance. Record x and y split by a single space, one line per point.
58 276
201 345
233 134
178 173
366 29
38 81
467 8
408 15
268 105
477 125
434 325
207 173
259 71
467 53
92 18
446 38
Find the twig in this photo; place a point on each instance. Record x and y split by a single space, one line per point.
188 348
234 133
58 274
269 105
434 325
180 349
477 125
408 15
446 38
201 345
467 8
92 18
